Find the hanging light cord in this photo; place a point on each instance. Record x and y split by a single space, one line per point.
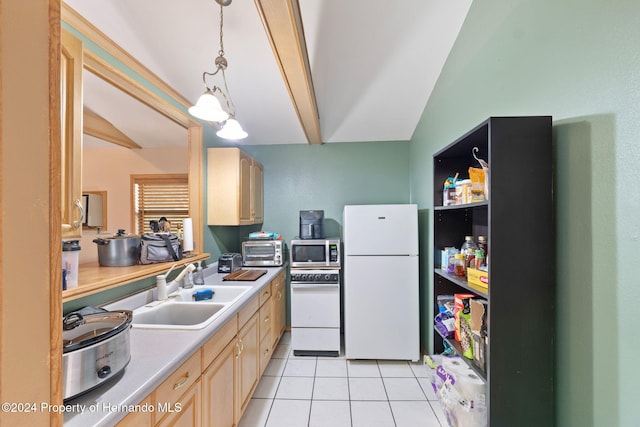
221 65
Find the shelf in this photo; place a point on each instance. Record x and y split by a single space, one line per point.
458 348
463 283
93 278
484 203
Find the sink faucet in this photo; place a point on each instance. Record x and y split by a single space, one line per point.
161 281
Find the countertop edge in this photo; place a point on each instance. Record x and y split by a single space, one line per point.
108 404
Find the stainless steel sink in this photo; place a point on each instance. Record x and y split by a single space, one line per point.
221 294
177 315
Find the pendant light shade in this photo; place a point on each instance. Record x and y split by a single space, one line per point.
232 130
208 108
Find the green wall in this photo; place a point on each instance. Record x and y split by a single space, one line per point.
329 176
578 61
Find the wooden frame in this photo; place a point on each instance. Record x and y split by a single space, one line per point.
147 94
103 194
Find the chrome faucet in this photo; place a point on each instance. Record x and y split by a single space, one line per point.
164 288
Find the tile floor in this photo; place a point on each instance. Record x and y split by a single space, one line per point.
335 392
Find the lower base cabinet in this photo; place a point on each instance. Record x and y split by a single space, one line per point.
219 389
214 386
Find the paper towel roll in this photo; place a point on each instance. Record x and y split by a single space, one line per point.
187 230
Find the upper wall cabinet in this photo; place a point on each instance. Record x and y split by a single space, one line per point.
71 125
234 187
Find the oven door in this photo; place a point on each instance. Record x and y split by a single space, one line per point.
315 305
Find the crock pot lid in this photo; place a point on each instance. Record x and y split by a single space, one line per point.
83 331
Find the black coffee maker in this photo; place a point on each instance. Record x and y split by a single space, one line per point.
312 224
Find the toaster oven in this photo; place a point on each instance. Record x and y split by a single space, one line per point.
262 253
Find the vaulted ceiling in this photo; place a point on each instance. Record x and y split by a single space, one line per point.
371 64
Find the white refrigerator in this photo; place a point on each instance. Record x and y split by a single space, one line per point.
381 307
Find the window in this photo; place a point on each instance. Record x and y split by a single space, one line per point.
155 196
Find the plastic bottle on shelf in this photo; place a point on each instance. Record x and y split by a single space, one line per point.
468 249
479 260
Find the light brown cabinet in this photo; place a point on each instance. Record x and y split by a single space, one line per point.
234 187
71 126
231 363
278 308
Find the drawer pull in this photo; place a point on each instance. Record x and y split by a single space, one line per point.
238 348
279 295
266 352
182 381
266 319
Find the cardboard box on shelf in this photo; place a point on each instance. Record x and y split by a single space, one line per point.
478 278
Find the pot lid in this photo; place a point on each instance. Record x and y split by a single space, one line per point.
81 331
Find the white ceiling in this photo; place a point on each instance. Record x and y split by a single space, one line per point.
374 63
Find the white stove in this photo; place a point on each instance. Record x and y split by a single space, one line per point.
315 312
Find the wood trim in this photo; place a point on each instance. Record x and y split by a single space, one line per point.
73 18
196 185
55 221
283 24
104 207
112 75
99 127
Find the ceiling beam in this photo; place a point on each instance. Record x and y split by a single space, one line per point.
96 126
283 23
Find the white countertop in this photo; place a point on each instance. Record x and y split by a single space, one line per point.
155 354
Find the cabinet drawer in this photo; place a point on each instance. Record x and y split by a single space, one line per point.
265 293
248 310
218 342
180 381
139 418
266 348
265 319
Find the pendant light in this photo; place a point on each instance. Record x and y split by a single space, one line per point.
208 106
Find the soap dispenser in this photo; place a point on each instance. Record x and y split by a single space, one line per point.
198 275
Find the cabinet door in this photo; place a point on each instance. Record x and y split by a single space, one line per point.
71 126
257 193
186 412
138 419
278 307
219 389
248 342
245 189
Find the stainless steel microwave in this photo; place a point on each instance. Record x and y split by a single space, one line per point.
315 253
262 253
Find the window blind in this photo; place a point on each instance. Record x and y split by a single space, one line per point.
157 196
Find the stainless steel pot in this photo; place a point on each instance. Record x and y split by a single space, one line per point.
119 250
96 348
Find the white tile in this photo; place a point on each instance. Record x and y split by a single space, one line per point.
367 389
391 368
275 368
325 413
403 389
414 414
289 413
256 413
331 368
371 414
300 368
282 351
266 388
437 409
419 369
331 389
295 388
363 368
427 388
